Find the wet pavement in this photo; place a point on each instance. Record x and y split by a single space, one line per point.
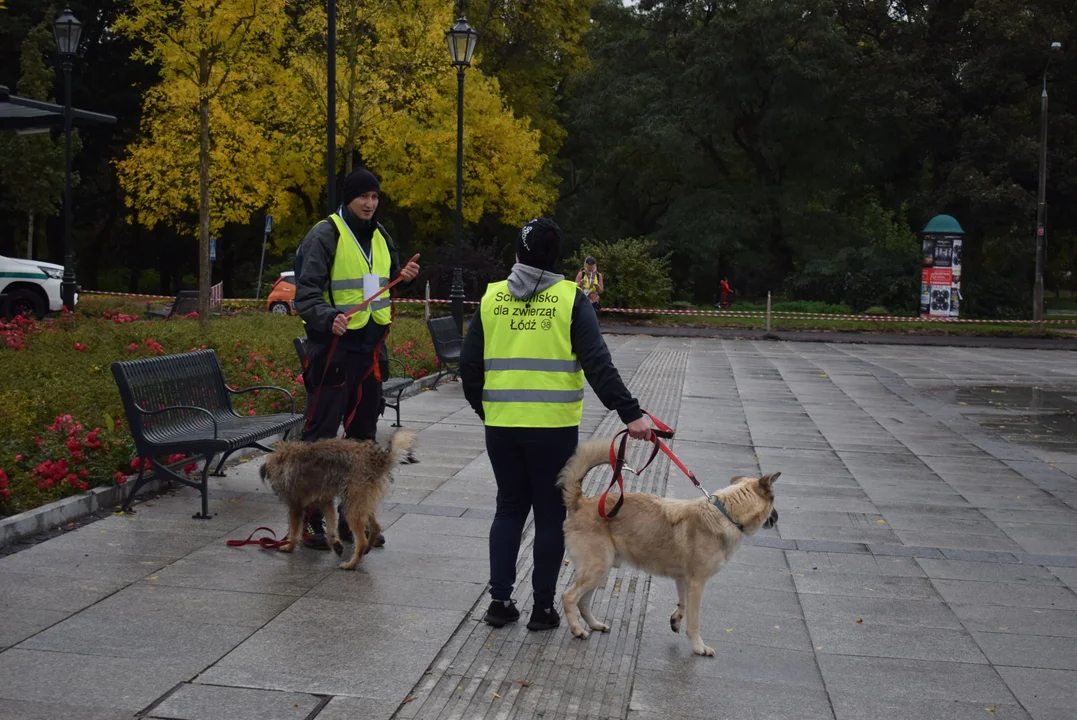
925 565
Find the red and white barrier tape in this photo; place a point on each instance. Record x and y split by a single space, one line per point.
743 314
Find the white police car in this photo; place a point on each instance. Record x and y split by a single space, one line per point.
31 287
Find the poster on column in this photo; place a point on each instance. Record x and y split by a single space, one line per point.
925 291
941 289
955 278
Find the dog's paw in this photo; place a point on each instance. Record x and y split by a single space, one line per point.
600 627
703 650
581 633
286 547
675 622
338 548
348 565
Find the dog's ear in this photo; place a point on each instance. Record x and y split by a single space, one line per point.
767 481
262 471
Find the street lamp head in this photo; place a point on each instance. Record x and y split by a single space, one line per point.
462 40
1056 45
67 30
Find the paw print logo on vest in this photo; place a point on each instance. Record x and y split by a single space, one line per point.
546 324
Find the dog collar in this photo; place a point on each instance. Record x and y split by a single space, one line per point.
721 507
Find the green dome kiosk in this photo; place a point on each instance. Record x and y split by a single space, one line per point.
940 271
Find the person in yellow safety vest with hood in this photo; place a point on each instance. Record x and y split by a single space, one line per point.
340 262
528 349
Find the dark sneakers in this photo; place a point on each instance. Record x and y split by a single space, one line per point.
500 615
314 541
545 619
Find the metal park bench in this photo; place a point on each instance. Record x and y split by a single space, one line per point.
181 404
447 346
390 387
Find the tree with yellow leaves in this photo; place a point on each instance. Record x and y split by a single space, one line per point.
201 120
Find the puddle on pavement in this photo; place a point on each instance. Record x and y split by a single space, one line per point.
1046 419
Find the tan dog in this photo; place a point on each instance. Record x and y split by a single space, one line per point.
304 474
687 540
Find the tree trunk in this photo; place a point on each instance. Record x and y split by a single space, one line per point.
204 270
30 235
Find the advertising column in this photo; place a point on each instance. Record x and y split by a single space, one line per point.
940 272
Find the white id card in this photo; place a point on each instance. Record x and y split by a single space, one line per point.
371 285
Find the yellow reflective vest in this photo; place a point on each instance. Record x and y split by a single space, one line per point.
350 264
532 377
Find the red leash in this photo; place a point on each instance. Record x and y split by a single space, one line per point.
266 543
617 460
336 340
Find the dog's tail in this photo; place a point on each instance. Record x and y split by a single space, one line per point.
400 446
588 455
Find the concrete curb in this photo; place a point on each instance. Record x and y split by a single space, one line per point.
51 516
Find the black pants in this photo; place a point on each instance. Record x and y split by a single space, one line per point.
339 399
526 462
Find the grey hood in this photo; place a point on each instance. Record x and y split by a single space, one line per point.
525 281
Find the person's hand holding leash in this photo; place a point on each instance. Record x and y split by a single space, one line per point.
640 429
410 271
340 324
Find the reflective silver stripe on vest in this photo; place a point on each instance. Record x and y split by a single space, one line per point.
537 364
378 304
532 396
355 284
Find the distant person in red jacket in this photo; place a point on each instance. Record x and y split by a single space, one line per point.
724 291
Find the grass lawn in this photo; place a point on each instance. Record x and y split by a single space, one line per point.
62 426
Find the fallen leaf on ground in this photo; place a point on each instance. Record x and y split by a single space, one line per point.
522 683
729 629
860 621
238 499
991 709
824 375
881 522
409 699
496 695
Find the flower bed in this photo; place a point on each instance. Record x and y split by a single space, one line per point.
62 426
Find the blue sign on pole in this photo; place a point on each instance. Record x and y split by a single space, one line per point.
269 224
212 249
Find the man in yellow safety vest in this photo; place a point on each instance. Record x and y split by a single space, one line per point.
342 261
528 349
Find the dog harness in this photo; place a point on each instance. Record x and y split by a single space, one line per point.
617 460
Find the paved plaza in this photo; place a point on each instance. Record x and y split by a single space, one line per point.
924 566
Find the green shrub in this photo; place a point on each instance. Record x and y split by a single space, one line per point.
876 310
61 367
633 276
809 306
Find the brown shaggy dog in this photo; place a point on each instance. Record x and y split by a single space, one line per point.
687 540
304 474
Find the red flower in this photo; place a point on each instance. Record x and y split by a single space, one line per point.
3 479
80 347
120 478
133 347
251 412
83 474
190 468
83 486
18 458
73 445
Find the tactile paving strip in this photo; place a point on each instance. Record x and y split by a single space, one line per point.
511 673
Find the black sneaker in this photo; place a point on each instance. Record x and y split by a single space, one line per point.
546 619
500 615
315 541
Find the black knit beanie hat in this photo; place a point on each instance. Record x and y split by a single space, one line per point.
359 181
539 244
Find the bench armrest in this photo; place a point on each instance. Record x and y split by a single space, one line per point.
403 367
182 407
264 387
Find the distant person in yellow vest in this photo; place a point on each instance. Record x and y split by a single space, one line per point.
527 351
340 261
590 281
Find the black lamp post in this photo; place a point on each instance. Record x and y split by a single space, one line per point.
1041 204
462 39
331 108
67 30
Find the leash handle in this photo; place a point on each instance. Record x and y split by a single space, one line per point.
617 460
266 543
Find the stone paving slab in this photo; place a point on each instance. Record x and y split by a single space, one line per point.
925 565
